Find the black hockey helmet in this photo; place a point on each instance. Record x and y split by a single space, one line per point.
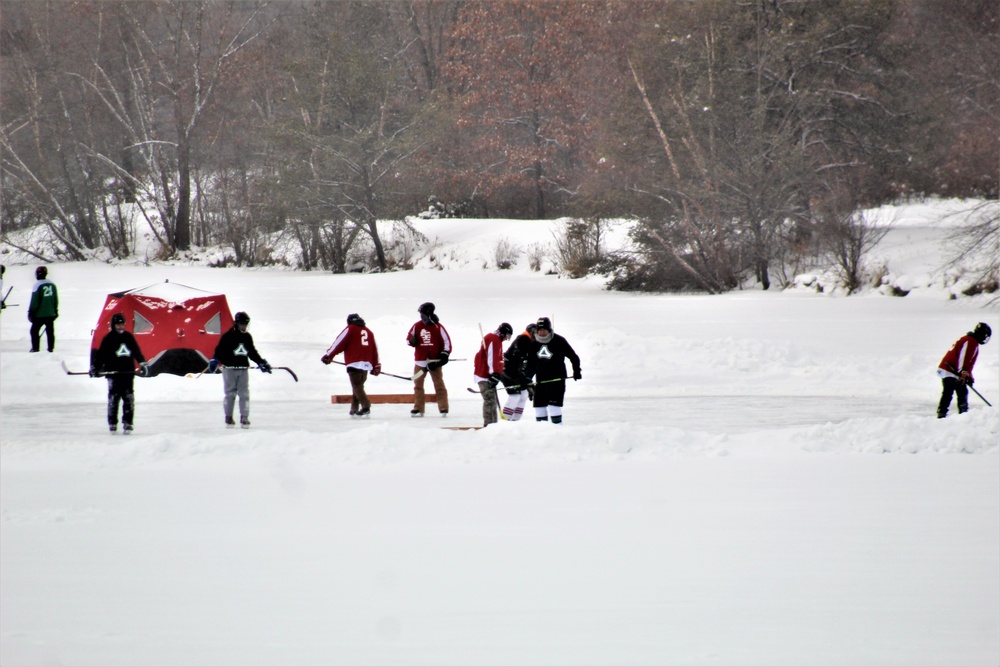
241 318
426 308
544 323
355 319
505 329
41 272
532 326
982 333
117 318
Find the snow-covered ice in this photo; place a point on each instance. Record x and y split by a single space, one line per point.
752 478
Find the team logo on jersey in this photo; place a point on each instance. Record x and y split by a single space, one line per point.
123 351
240 351
544 352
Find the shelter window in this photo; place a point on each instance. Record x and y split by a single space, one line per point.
214 325
140 324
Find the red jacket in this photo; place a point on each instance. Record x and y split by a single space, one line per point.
961 357
358 345
428 341
489 358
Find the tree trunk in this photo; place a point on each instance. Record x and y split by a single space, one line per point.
182 229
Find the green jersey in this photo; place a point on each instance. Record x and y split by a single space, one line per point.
44 300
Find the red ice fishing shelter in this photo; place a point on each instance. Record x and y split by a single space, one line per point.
177 327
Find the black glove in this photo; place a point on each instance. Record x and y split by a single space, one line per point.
144 370
264 366
433 366
93 371
494 379
414 340
213 366
577 374
531 393
442 359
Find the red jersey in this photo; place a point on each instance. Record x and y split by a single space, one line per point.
358 345
489 358
961 357
428 341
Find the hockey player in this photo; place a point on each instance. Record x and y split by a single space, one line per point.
548 365
488 369
515 376
116 357
43 310
233 354
432 347
955 369
357 342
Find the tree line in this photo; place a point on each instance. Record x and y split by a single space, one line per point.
742 136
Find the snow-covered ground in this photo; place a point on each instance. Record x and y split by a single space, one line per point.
753 478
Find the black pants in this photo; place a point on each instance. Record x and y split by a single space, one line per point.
50 332
120 391
953 386
549 392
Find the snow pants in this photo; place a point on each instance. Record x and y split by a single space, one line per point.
121 392
951 386
236 383
440 391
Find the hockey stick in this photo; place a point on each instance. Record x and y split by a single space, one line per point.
980 396
518 386
401 377
102 374
69 372
284 368
974 390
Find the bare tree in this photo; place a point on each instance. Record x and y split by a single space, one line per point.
847 237
977 244
350 128
48 134
757 112
176 54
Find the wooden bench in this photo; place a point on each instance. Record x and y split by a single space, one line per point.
383 398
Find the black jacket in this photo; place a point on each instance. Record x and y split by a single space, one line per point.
236 350
118 353
548 360
516 361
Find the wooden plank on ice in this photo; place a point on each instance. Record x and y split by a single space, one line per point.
383 398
